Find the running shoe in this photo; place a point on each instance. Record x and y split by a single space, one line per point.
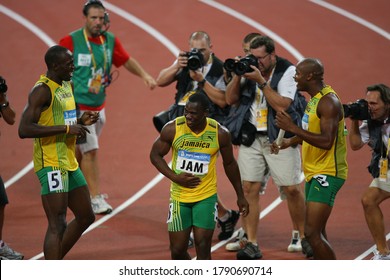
227 227
249 252
295 244
240 241
377 256
7 253
99 204
306 248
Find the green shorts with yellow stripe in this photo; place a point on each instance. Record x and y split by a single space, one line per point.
58 180
201 214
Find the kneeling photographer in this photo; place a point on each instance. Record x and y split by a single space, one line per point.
370 125
197 70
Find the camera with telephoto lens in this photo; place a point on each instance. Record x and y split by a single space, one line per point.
195 59
3 85
357 110
242 66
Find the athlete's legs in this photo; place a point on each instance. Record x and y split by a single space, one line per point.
317 215
80 204
203 238
55 206
179 244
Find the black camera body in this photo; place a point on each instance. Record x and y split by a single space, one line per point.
242 66
195 59
357 110
3 85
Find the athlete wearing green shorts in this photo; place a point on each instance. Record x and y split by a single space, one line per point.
324 151
196 141
323 189
50 118
202 214
58 180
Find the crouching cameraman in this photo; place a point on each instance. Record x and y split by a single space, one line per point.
374 131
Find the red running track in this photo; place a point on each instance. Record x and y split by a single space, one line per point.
354 57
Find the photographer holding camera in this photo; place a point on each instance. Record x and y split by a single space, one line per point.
199 71
8 114
207 79
256 96
374 131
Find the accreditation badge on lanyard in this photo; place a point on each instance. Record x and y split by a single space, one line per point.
384 165
261 111
95 82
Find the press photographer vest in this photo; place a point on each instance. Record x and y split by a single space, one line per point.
379 149
184 84
84 67
239 115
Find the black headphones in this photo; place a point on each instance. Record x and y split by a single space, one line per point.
92 2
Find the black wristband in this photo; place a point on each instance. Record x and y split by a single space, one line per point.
201 83
262 86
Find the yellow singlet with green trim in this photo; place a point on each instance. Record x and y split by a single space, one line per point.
195 154
58 150
319 161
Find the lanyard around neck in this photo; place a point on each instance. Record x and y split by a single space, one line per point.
91 52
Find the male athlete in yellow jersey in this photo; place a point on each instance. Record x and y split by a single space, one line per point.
324 151
50 118
196 142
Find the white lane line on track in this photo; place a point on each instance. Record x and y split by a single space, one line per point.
255 24
144 26
263 213
28 24
370 250
120 208
19 175
353 17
